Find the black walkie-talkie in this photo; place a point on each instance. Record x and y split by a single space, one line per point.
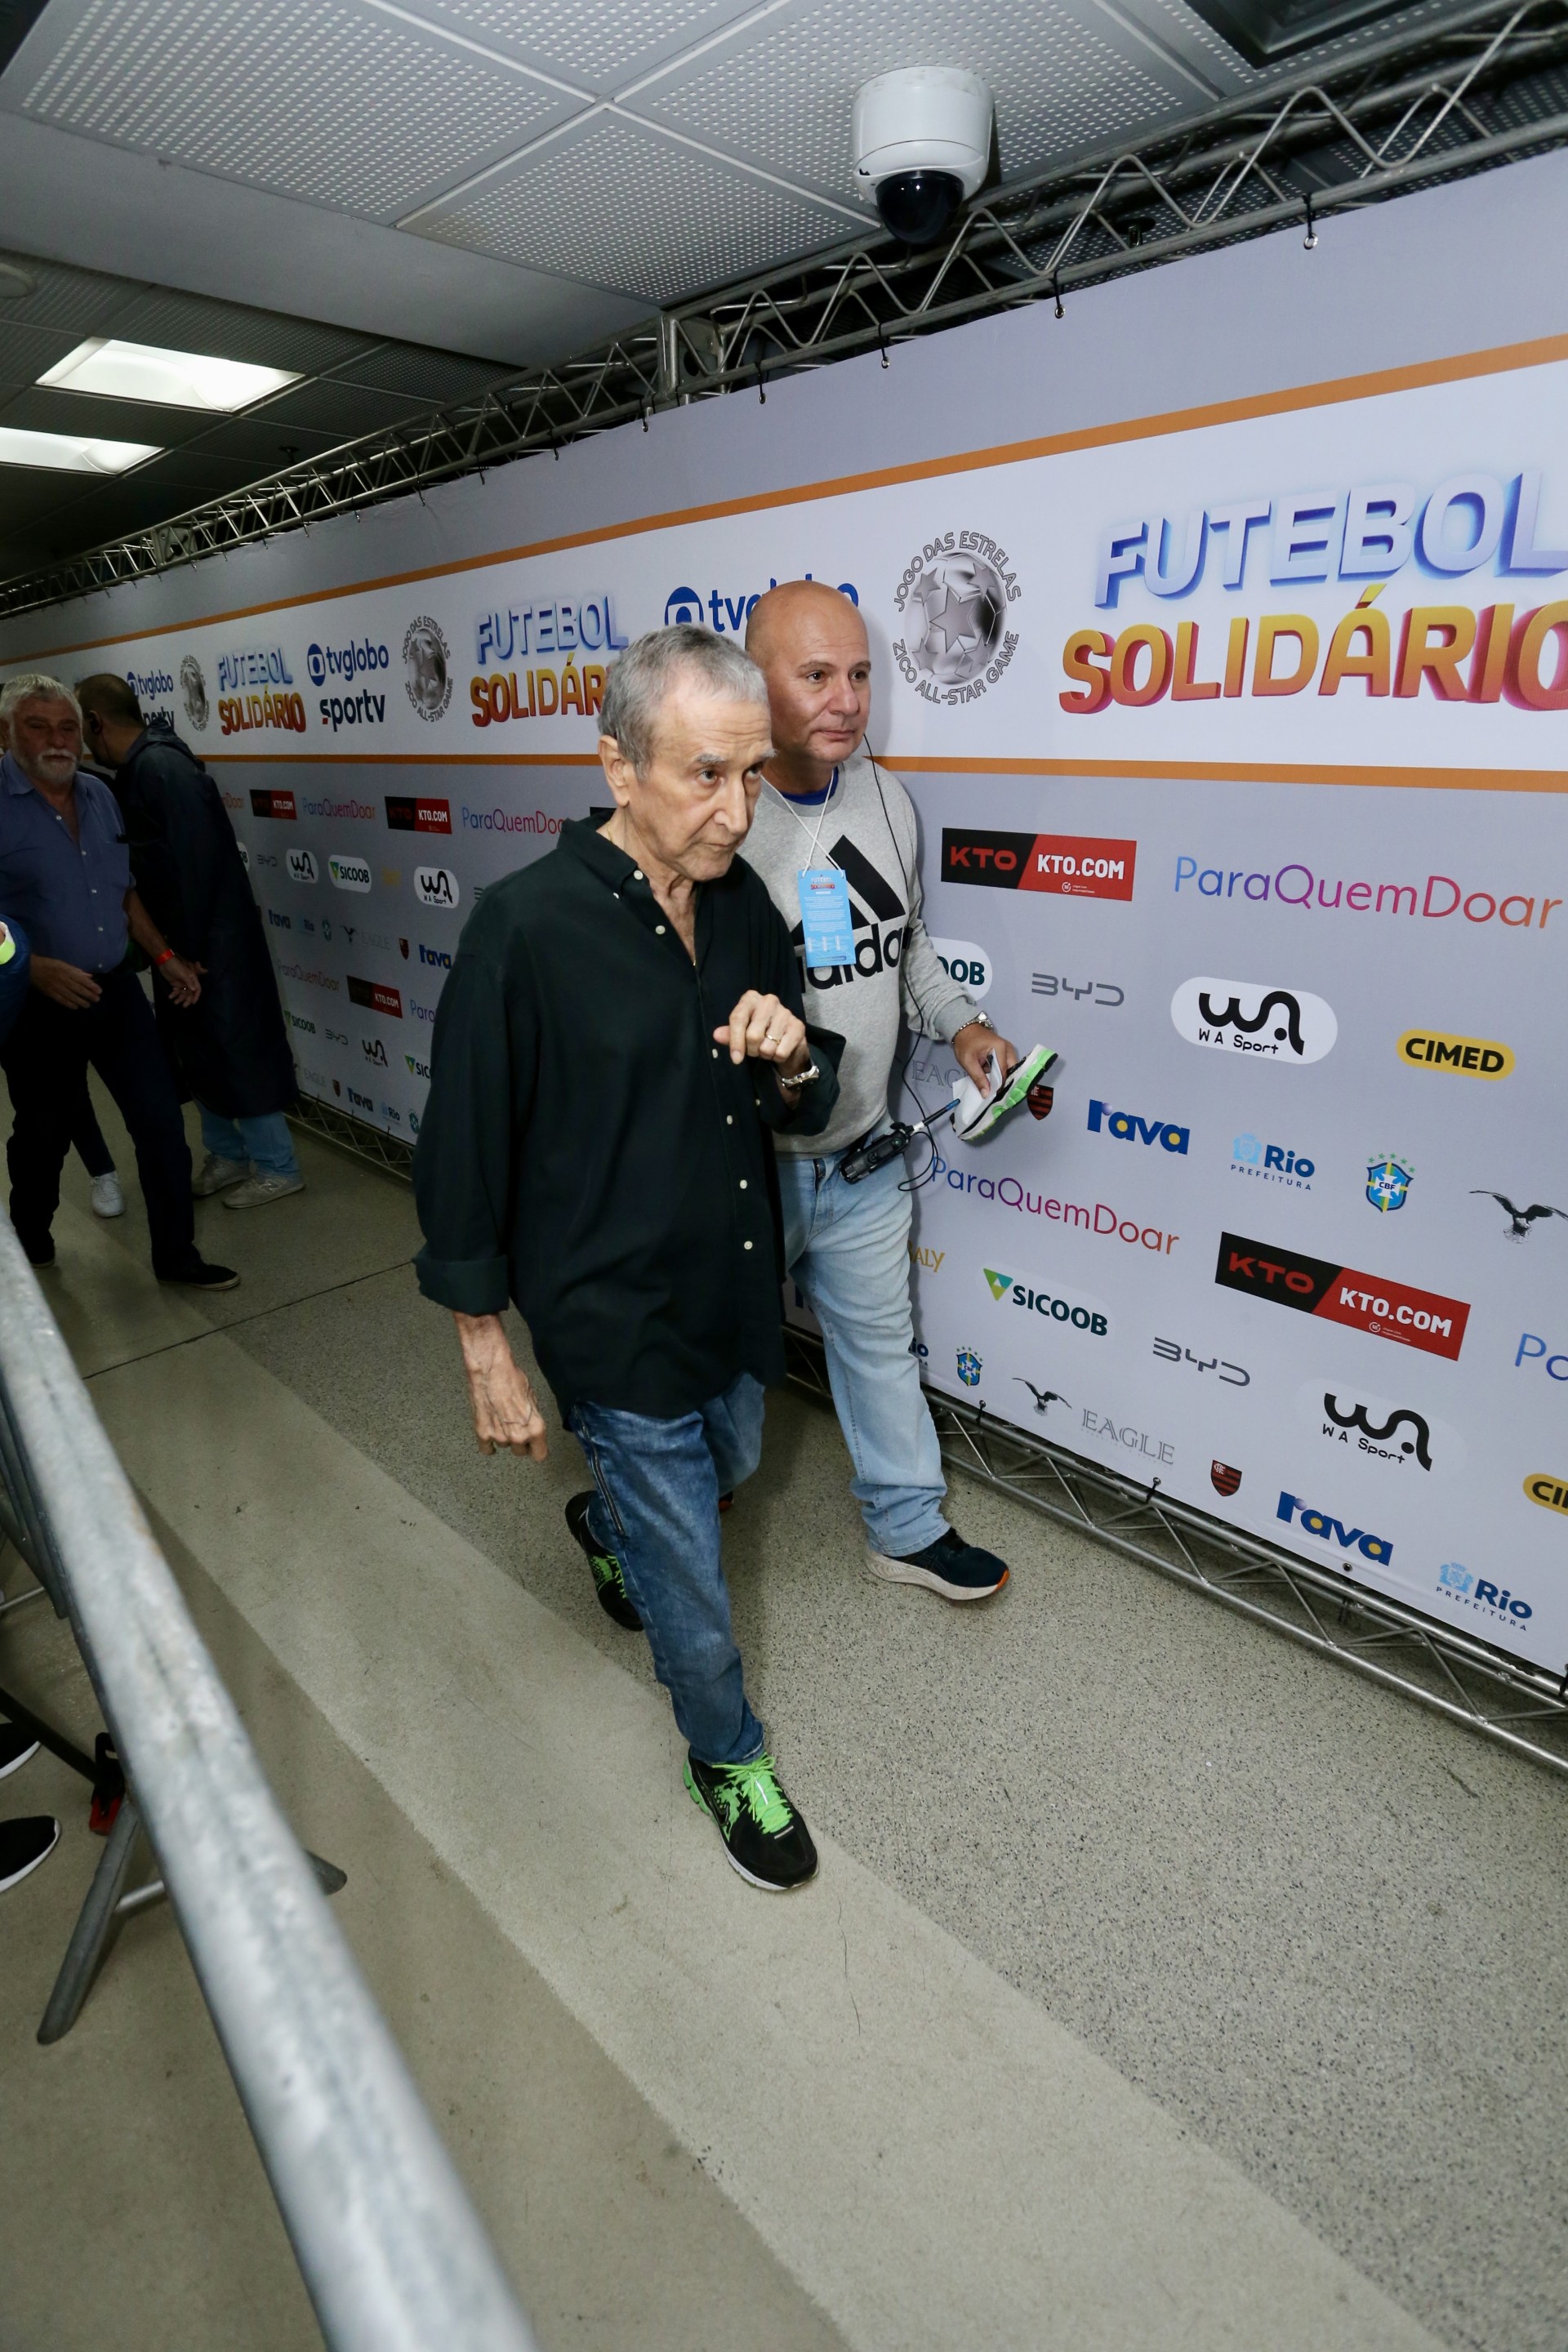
865 1158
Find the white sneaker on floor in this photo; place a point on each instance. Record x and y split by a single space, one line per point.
216 1174
257 1190
107 1200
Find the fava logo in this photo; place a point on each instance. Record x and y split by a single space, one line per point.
1128 1128
1475 1057
1248 1017
1292 1510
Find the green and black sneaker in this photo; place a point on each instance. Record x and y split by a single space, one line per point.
608 1584
763 1836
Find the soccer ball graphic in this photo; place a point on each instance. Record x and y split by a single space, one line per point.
956 611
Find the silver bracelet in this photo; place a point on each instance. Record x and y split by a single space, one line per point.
803 1077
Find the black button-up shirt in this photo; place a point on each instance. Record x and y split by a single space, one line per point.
588 1151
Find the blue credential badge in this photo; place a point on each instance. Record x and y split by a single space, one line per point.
827 929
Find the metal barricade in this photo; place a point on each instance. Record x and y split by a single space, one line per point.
391 2250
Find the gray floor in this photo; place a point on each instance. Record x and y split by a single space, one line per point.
1322 1932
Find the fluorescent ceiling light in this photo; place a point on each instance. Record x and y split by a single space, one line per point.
169 378
71 453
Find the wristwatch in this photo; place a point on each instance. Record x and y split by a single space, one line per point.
802 1078
978 1019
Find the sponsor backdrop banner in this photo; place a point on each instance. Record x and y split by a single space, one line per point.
1238 744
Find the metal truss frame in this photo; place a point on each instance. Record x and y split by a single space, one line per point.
1433 101
1519 1706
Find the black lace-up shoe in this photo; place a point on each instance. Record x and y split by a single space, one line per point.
959 1571
609 1588
24 1843
764 1837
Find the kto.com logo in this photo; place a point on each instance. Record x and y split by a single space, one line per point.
356 660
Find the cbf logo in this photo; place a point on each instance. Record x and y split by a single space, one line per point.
953 599
715 609
1251 1016
970 1368
1388 1181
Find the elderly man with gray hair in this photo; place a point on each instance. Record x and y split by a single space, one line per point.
64 877
621 1024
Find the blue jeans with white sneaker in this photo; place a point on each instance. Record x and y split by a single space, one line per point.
848 1247
264 1141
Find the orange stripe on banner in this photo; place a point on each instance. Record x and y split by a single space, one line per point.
1241 771
401 759
1500 361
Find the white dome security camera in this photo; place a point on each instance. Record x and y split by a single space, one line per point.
922 144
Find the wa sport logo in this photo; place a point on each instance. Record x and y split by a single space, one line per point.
435 886
1382 1439
1244 1016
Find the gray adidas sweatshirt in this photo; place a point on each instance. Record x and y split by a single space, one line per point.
868 829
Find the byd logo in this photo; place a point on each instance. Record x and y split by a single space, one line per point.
1249 1017
1128 1128
1312 1522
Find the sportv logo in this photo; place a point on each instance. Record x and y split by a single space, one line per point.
1128 1128
1251 1016
1366 1302
1328 1530
1065 866
1075 1313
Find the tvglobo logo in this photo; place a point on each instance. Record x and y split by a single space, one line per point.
716 609
1253 1016
358 659
1127 1127
435 886
1330 1530
349 872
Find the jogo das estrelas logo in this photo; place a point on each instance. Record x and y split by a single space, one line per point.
1366 1302
1248 1016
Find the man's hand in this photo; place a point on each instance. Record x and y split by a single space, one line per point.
505 1409
766 1030
974 1041
181 981
67 983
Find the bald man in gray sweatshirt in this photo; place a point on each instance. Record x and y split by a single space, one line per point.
833 837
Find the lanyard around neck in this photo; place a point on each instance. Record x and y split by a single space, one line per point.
821 814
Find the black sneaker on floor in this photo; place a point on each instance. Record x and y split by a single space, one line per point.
16 1747
764 1837
959 1571
39 1248
24 1843
608 1588
199 1275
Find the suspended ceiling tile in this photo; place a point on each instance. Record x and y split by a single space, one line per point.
601 48
422 375
781 92
346 107
617 204
44 408
262 443
28 352
190 323
341 409
77 302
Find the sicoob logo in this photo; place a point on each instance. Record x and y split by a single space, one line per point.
1066 865
1248 1017
1366 1302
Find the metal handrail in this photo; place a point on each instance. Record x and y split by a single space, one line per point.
391 2252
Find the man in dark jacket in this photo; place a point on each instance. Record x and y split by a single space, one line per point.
230 1048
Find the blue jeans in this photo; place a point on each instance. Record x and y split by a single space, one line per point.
265 1141
848 1247
656 1505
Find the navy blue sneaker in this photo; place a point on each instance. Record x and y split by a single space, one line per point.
959 1571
